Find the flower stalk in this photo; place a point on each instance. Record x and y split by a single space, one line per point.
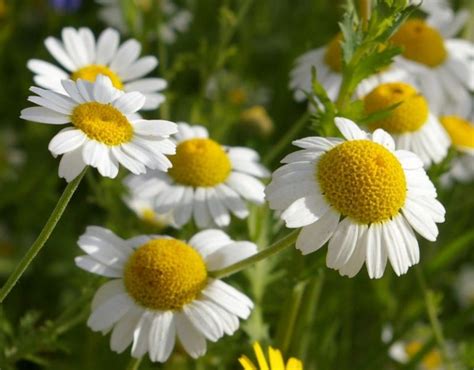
42 237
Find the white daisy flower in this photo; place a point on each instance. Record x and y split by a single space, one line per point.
161 290
104 132
328 63
82 57
461 132
411 124
207 181
175 21
447 74
142 203
362 195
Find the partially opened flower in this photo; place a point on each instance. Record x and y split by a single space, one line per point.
461 132
360 194
104 132
207 181
82 57
328 63
275 357
447 75
161 290
411 123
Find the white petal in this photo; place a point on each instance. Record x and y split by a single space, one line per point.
141 335
184 209
88 40
109 312
305 211
46 69
139 68
230 254
155 127
219 213
314 236
66 141
107 45
56 49
130 102
106 291
247 186
162 336
128 53
71 165
201 213
395 245
147 85
44 115
192 340
127 161
421 221
122 334
349 129
74 46
376 254
104 91
354 264
208 241
232 201
204 320
90 264
383 138
229 298
342 244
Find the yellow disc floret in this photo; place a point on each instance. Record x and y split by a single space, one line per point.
90 73
165 274
460 131
103 123
200 163
409 116
362 180
421 43
333 54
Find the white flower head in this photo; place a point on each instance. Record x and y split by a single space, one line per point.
360 194
412 125
105 130
81 56
443 68
207 181
161 290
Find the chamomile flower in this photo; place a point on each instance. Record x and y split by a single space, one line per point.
207 181
276 360
142 203
83 57
161 290
461 132
360 194
328 63
411 123
104 132
447 74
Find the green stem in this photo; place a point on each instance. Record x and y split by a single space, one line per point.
280 146
276 247
430 305
134 363
43 236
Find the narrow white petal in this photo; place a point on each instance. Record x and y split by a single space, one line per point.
208 241
139 68
56 49
109 312
349 129
91 265
314 236
162 336
122 334
129 102
421 221
342 244
201 213
66 140
230 254
107 45
376 254
192 340
71 165
44 115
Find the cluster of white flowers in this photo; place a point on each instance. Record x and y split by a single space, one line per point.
365 195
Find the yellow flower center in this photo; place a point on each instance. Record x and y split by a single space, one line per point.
102 122
421 43
165 274
362 180
409 116
90 73
460 131
432 360
200 163
333 55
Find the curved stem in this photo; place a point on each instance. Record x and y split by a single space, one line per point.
42 237
134 363
276 247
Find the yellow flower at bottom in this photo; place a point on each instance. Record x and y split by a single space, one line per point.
276 360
